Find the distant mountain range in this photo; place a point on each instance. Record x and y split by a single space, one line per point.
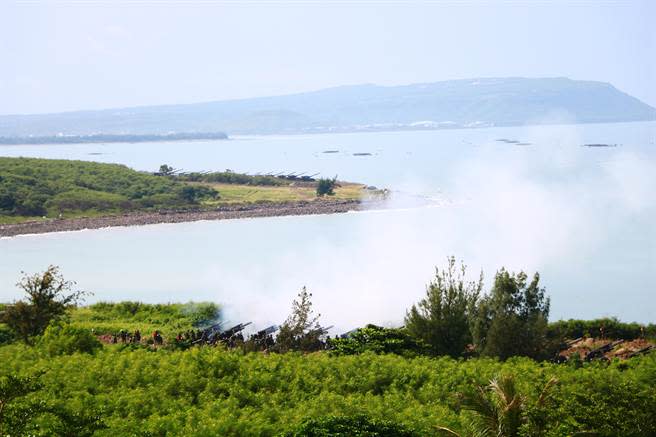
448 104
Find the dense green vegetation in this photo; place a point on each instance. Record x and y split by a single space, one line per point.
610 328
210 391
230 177
379 340
38 187
375 382
110 318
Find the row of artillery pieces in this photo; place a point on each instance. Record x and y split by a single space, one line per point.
233 336
294 176
589 349
212 335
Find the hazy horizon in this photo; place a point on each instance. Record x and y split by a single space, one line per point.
63 55
354 85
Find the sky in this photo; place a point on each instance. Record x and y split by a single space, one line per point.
63 55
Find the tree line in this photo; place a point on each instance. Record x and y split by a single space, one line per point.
455 318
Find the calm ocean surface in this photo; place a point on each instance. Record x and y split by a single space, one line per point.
583 217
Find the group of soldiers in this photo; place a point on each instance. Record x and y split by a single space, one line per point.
124 336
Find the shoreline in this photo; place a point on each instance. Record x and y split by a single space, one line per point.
237 211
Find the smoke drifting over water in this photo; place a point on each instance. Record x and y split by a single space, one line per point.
535 210
582 217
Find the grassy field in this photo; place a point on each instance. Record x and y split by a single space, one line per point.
106 318
232 193
169 319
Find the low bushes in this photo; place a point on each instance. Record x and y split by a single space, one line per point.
68 339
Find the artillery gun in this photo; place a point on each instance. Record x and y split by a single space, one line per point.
309 178
348 334
209 333
263 339
264 332
600 352
229 334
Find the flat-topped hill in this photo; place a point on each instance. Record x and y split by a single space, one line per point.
446 104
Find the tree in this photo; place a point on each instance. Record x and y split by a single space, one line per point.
48 298
512 320
326 186
193 194
301 331
165 170
499 410
442 318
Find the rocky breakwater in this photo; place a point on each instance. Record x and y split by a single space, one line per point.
237 211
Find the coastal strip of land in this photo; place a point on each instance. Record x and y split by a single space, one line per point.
42 195
236 211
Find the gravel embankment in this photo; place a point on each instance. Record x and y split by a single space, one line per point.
147 218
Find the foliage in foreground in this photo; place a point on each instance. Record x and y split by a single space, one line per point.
348 426
210 391
500 410
22 415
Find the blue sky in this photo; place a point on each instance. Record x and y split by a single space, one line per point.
58 55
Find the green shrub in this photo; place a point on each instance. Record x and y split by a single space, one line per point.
378 340
608 327
170 319
229 177
195 193
6 334
68 339
325 187
81 199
